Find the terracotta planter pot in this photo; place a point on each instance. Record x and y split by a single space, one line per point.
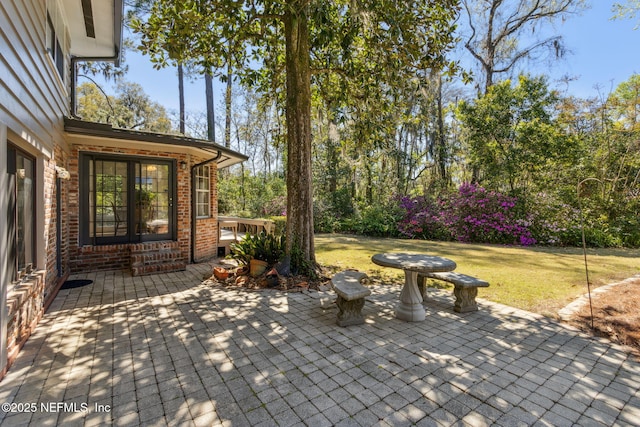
257 267
220 273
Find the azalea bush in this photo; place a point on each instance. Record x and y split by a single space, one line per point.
277 206
422 219
472 214
475 214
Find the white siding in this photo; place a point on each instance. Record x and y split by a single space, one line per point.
4 237
33 97
33 102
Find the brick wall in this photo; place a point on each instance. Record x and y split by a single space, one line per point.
25 309
27 301
62 161
50 222
91 258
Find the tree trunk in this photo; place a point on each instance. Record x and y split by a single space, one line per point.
211 121
333 140
441 139
227 104
299 187
181 97
368 192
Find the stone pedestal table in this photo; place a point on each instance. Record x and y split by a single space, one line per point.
410 307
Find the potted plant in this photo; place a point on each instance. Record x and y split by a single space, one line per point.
268 247
258 251
265 252
257 267
242 251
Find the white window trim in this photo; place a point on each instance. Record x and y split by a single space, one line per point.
203 172
61 33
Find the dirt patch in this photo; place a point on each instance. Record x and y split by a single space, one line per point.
616 314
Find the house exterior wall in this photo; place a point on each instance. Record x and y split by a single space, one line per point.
119 256
33 101
4 249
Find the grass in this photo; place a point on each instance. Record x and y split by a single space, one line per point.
537 279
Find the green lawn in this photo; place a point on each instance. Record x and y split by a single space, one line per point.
538 279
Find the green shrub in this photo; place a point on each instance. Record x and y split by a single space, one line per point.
376 220
629 231
280 223
325 218
263 246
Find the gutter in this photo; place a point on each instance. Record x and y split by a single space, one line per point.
118 22
104 130
194 214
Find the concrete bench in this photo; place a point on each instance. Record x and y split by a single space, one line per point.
465 288
351 296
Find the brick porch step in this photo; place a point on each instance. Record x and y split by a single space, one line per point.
156 257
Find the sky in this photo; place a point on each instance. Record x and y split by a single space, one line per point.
604 53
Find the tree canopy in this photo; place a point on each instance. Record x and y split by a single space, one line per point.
130 108
392 145
513 134
504 33
372 43
629 9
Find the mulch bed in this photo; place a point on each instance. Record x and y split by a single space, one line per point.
292 283
616 315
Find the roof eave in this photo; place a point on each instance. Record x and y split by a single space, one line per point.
227 158
118 22
91 37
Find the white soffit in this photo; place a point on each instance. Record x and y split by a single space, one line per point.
102 15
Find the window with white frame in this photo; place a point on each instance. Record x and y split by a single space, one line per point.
203 192
55 38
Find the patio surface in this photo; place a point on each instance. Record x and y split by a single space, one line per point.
169 350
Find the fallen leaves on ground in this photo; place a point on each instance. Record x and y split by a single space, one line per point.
616 315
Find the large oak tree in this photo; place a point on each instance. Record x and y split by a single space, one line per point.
366 40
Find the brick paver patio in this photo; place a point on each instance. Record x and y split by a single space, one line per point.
169 350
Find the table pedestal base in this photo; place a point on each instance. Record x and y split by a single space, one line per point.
410 308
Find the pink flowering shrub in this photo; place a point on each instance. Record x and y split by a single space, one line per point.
475 214
276 206
422 219
472 214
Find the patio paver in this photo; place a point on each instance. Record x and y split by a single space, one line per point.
169 350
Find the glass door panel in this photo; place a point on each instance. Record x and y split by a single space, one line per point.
153 199
25 210
108 198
